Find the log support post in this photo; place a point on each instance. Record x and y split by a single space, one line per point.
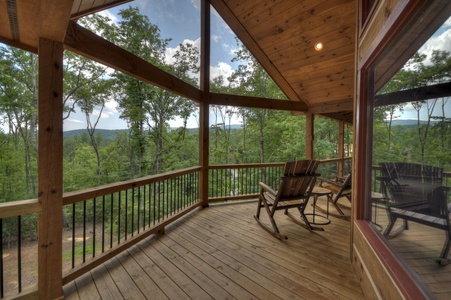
204 107
50 169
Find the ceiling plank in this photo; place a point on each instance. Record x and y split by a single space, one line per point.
289 10
250 43
27 14
256 102
306 24
86 43
332 107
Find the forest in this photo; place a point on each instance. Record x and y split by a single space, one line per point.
150 146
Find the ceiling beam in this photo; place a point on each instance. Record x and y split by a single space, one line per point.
417 94
224 11
256 102
88 44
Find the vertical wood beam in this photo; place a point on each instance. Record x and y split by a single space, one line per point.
309 135
341 146
204 113
50 169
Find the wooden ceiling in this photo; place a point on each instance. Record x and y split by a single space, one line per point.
281 34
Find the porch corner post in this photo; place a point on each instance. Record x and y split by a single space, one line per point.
204 113
50 169
309 135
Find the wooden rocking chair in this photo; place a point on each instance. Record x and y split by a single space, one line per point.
294 192
340 187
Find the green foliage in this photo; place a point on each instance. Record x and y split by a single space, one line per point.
427 142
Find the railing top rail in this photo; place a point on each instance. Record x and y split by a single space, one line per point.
329 160
99 191
244 166
18 208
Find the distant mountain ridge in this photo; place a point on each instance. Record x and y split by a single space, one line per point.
106 133
411 122
111 133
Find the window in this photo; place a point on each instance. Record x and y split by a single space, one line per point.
411 145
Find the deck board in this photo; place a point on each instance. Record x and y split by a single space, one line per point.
222 253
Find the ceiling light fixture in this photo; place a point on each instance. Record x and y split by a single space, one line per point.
319 46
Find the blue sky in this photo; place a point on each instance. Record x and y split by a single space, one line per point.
178 20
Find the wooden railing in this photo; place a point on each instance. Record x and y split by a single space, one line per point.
103 221
122 214
239 182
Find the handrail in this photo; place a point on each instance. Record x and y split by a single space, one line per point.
99 191
330 160
19 208
243 166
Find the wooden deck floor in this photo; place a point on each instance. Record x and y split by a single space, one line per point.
221 253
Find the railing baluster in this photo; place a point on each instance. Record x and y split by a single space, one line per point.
84 231
103 224
149 200
154 202
126 215
19 253
119 218
139 208
133 211
1 260
111 220
94 227
144 208
73 235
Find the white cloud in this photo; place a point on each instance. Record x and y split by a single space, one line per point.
170 52
108 14
222 68
440 41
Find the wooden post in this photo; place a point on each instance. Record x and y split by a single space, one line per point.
341 146
204 107
309 135
50 169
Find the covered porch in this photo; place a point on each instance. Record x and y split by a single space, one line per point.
176 235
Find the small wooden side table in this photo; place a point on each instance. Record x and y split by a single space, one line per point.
317 192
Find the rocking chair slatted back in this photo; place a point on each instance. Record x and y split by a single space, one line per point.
294 192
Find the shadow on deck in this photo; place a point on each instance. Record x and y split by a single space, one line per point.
222 253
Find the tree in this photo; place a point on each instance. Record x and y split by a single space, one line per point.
147 108
250 79
18 104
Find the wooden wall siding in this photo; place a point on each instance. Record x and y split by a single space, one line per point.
286 32
380 16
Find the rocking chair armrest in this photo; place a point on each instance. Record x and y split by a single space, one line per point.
330 181
267 188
